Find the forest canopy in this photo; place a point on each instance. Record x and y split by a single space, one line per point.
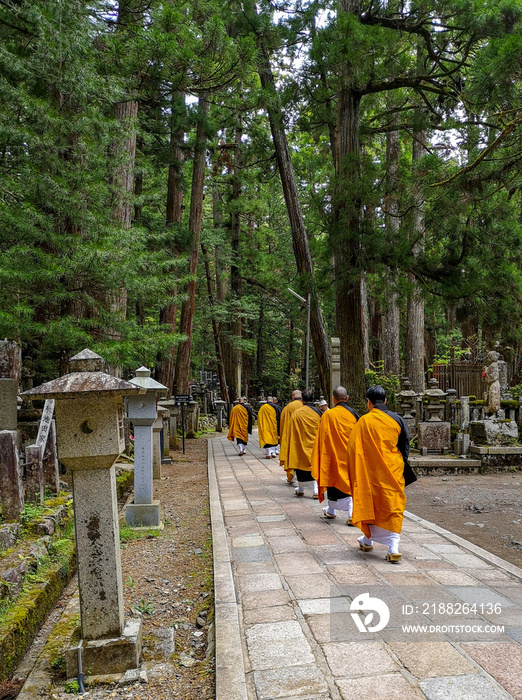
169 169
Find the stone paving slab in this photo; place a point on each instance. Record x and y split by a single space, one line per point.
285 579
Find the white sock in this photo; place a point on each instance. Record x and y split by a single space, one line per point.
386 537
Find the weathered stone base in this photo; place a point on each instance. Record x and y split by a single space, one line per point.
104 656
493 432
434 465
498 458
434 436
143 514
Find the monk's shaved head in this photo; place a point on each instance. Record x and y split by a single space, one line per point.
296 394
340 393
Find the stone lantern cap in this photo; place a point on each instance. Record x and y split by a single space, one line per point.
434 390
407 391
85 379
145 381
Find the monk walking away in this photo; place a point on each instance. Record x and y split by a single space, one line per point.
268 428
303 431
279 411
240 425
286 420
377 451
329 455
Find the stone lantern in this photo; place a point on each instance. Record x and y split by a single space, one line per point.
435 406
434 434
220 405
142 412
406 399
90 436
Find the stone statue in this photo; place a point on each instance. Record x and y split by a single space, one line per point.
492 377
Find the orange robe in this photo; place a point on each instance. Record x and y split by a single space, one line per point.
267 425
284 430
303 430
329 462
375 470
238 423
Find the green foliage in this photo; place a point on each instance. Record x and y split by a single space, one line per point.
128 534
144 607
389 382
516 391
72 687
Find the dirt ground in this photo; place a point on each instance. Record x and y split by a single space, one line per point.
168 581
485 509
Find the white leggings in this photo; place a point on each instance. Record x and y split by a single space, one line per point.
382 536
345 504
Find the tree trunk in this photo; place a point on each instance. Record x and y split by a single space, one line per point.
235 272
414 364
168 314
346 214
365 315
126 114
260 354
293 206
181 379
215 331
390 329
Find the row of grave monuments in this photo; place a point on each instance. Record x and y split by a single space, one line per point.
431 414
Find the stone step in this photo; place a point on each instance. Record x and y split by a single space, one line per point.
428 463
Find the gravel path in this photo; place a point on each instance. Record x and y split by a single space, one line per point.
485 509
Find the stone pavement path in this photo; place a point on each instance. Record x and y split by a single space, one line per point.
286 578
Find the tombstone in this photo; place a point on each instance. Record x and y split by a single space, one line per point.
157 427
164 435
10 363
34 474
220 405
89 420
451 399
173 423
462 444
46 441
51 466
192 419
144 511
419 410
11 487
335 362
434 434
464 412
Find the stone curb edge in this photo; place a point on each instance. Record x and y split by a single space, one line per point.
475 549
230 666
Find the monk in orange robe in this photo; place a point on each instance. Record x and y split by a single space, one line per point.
286 419
329 463
268 428
377 451
303 431
240 425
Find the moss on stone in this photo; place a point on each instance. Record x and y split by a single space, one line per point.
22 620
